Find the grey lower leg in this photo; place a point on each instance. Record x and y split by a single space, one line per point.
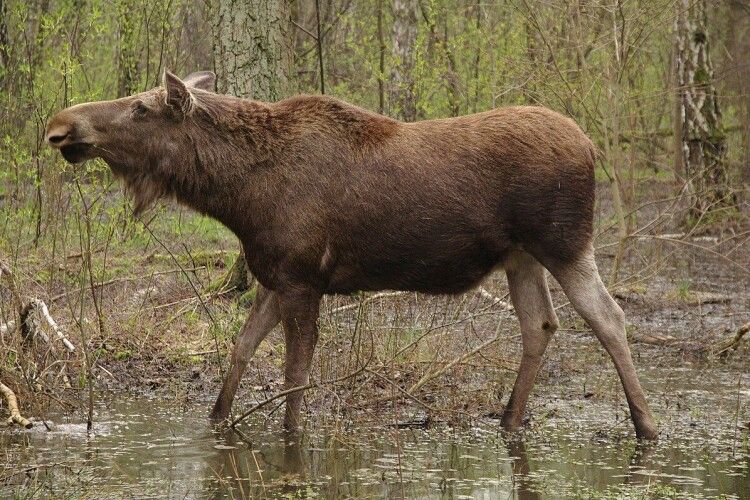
589 296
533 305
264 316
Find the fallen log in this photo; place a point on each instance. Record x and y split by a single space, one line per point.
15 414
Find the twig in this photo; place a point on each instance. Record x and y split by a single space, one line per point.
496 300
15 296
15 414
431 375
402 391
694 245
197 295
307 386
10 326
381 295
733 342
126 279
293 390
319 42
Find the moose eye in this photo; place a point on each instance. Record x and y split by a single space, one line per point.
139 109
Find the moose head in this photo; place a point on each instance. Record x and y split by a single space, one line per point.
137 136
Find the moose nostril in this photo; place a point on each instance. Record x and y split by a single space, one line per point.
57 139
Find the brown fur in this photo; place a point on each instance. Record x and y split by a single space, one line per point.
330 198
431 206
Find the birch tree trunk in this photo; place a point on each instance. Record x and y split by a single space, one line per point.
252 59
403 101
702 140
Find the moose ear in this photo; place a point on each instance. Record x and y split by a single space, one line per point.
204 80
178 95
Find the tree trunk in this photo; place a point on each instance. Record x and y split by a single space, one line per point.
402 97
127 64
253 48
702 142
738 46
4 56
534 54
252 59
381 58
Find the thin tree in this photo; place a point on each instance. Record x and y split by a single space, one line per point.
403 100
702 141
252 59
127 64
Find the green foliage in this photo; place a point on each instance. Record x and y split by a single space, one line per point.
683 290
123 355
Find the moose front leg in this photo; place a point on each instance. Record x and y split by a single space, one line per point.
264 316
299 314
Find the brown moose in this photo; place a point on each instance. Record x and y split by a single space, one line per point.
329 198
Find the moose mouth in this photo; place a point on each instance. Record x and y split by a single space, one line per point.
76 153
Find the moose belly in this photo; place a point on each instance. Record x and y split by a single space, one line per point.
431 270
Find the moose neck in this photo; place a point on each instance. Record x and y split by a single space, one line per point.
232 146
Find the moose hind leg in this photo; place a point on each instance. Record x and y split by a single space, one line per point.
299 313
582 284
533 305
264 316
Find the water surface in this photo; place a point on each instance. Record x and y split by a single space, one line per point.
147 447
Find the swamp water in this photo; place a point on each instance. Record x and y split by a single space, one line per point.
142 447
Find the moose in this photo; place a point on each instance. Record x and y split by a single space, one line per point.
329 198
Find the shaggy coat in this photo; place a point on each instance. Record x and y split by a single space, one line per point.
323 192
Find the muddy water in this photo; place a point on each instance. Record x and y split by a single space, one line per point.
578 446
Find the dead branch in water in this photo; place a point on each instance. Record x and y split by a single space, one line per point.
432 375
292 390
730 344
15 414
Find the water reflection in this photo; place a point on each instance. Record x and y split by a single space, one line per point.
523 483
150 448
642 463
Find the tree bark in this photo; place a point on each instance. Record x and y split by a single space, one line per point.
252 59
703 144
738 71
253 49
4 43
402 96
127 64
381 58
